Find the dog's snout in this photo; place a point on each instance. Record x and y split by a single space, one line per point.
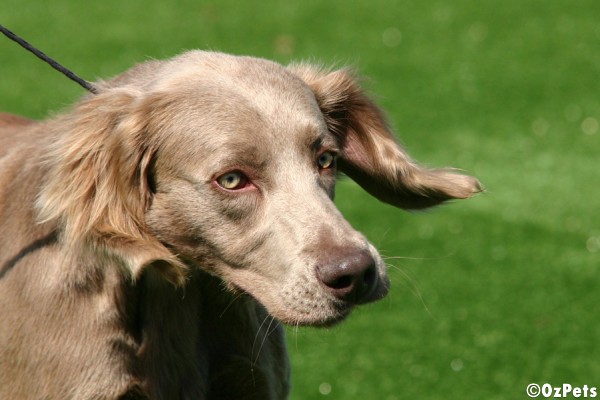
351 277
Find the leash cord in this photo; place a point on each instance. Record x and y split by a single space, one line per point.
54 64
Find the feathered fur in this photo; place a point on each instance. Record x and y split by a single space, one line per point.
127 269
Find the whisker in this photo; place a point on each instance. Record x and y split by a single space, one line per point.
258 333
267 333
230 304
254 361
418 258
411 284
403 258
296 330
293 330
380 240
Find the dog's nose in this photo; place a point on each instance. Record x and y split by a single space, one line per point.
351 277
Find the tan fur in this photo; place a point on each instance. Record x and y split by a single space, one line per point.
126 272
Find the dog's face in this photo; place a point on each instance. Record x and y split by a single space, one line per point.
234 162
244 185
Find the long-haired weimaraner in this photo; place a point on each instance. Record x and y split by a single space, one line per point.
154 237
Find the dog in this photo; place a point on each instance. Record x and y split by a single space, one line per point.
154 238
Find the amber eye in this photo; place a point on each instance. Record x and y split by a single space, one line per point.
232 180
326 160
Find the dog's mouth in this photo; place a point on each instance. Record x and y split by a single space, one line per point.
325 315
332 321
323 319
304 301
323 310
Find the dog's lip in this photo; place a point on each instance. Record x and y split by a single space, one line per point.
342 310
379 291
330 322
338 310
327 322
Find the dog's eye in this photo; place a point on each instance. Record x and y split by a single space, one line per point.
326 160
232 180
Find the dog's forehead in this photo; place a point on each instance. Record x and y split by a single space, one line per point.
222 102
268 86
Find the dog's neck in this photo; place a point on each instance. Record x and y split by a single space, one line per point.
202 329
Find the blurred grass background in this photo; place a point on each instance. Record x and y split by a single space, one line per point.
488 294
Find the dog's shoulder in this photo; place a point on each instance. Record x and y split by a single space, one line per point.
15 132
7 120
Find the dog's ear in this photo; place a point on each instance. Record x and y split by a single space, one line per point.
98 188
371 156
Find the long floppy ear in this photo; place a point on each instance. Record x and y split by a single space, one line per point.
371 155
97 187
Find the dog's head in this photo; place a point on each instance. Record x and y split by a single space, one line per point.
229 164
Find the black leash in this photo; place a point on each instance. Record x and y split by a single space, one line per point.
54 64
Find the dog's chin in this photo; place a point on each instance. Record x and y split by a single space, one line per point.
324 318
317 322
329 322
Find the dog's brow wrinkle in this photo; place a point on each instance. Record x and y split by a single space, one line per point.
317 143
196 182
321 141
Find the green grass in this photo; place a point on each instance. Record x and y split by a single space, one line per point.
495 292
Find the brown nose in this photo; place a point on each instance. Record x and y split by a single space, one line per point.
350 276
